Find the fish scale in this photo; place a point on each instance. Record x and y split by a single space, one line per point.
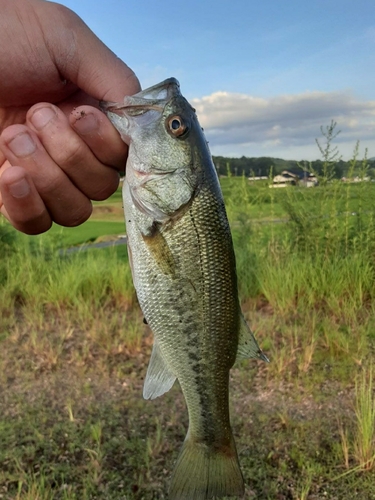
184 273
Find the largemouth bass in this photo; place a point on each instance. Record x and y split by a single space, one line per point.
183 266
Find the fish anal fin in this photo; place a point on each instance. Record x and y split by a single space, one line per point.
159 378
247 345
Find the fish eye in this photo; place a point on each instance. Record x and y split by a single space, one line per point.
176 126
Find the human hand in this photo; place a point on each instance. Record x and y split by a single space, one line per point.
55 158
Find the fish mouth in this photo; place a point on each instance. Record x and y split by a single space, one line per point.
131 109
153 98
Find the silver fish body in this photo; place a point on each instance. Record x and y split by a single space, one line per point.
184 272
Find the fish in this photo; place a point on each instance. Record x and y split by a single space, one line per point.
184 273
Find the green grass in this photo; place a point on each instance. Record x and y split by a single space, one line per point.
87 232
74 353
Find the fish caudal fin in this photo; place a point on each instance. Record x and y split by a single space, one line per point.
202 472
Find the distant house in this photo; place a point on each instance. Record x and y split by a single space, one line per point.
259 178
287 178
307 179
356 179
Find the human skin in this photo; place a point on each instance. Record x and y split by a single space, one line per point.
58 151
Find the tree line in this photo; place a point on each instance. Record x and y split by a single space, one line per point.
264 166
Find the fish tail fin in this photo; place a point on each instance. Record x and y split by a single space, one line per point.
204 472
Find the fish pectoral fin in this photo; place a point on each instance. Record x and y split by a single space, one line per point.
159 378
160 251
247 345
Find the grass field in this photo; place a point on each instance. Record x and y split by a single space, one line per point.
74 353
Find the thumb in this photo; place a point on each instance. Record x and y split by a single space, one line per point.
83 59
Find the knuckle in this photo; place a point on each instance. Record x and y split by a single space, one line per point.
79 216
49 186
71 156
106 189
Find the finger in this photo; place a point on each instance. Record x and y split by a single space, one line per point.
100 136
105 76
70 152
83 59
66 204
20 202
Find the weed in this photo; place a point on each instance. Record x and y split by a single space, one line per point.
364 437
345 446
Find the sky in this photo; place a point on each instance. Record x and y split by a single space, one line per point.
264 75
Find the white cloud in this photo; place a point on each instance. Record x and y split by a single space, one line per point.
285 125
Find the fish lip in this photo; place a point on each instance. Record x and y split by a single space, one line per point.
171 86
168 82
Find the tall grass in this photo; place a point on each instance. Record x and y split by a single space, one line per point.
35 277
364 437
308 256
69 325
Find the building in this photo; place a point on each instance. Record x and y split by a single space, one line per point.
287 178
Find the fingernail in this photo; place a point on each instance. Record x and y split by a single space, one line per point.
41 117
86 123
22 145
19 189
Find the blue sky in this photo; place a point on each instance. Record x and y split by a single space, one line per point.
263 75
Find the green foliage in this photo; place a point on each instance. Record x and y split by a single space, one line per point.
252 167
8 238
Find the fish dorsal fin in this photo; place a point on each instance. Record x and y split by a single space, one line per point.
247 345
159 378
